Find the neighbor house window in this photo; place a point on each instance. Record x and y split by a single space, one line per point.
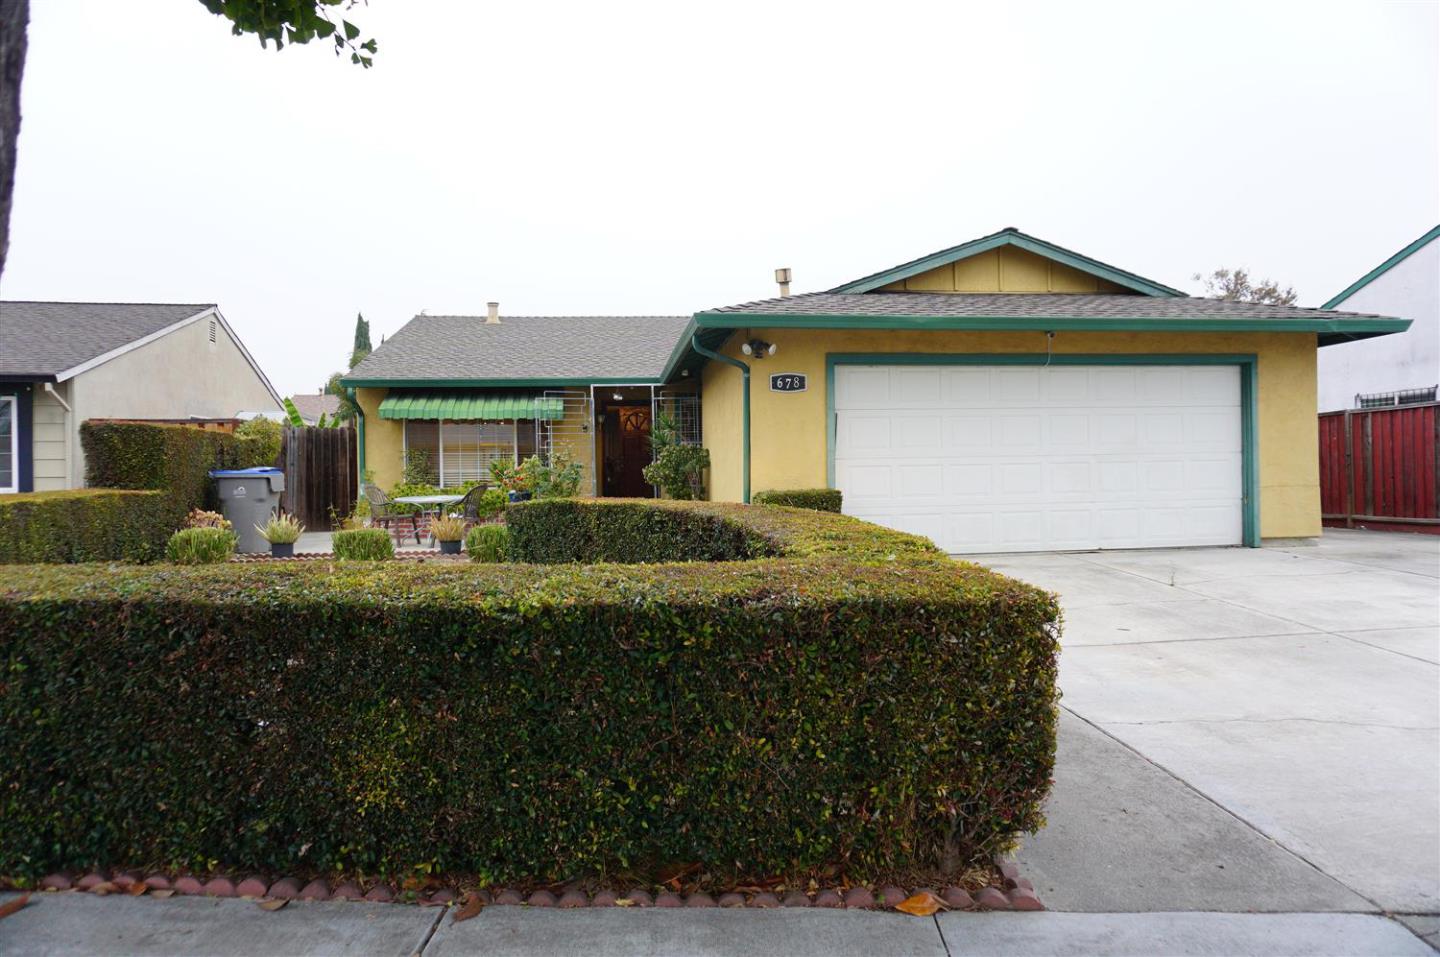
458 452
9 446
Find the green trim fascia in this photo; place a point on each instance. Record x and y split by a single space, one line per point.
681 351
494 383
1249 399
1383 268
1010 237
735 320
708 353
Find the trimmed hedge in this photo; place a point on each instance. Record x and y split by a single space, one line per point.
855 704
84 525
819 499
178 458
548 531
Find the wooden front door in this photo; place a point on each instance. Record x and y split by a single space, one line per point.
627 451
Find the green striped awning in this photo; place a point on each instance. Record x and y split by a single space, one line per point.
488 406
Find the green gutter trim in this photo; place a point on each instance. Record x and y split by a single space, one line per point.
1249 400
495 383
736 320
360 442
1010 237
699 347
1383 268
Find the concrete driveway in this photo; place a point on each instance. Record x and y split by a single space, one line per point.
1246 729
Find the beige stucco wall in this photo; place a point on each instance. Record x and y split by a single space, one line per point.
179 375
788 430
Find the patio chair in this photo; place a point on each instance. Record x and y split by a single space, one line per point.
469 507
390 515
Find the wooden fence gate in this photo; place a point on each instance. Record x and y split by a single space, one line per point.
321 477
1379 468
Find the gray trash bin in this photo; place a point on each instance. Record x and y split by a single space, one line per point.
247 497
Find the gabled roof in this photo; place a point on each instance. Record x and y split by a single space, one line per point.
1042 311
56 341
1009 236
51 340
1383 268
313 405
521 351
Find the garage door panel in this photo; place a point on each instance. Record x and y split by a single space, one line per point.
1002 458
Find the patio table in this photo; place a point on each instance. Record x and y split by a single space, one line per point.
430 506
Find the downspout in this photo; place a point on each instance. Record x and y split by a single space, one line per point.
744 410
360 443
69 438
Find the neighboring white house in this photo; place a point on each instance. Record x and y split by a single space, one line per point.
64 362
1399 368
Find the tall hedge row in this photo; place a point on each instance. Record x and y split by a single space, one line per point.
84 525
851 703
177 458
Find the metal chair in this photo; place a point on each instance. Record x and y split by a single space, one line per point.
469 507
390 515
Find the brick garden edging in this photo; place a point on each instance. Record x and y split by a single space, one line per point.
1016 894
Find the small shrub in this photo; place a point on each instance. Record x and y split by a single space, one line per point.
448 528
85 525
492 502
200 546
488 543
363 545
281 529
199 518
589 530
817 499
679 471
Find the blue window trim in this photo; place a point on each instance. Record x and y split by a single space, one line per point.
24 394
1249 399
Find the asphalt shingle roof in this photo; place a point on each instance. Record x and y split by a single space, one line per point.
46 338
525 347
312 405
1023 306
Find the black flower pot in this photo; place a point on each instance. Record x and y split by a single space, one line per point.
520 496
450 548
282 549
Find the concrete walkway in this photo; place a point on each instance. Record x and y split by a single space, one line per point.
76 924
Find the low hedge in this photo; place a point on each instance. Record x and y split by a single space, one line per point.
852 703
819 499
84 525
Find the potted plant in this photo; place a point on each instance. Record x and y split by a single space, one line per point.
282 532
449 531
517 481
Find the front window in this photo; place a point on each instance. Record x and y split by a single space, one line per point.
9 446
449 454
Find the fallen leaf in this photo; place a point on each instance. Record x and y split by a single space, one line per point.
10 907
137 888
472 906
163 892
624 902
922 904
103 888
273 903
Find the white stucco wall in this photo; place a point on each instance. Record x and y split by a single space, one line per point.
179 375
1407 360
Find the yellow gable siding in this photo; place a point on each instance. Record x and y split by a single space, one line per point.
1006 269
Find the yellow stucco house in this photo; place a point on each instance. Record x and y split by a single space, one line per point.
1005 394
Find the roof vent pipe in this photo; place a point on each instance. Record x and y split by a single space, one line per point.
492 313
782 276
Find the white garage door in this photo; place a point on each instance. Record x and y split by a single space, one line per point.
1030 458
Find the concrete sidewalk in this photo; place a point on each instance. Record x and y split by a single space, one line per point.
75 924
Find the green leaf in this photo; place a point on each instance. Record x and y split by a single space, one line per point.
351 30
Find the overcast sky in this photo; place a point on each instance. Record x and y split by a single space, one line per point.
620 158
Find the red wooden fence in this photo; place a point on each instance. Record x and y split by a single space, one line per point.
1379 468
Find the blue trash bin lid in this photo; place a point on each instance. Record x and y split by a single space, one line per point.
246 473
